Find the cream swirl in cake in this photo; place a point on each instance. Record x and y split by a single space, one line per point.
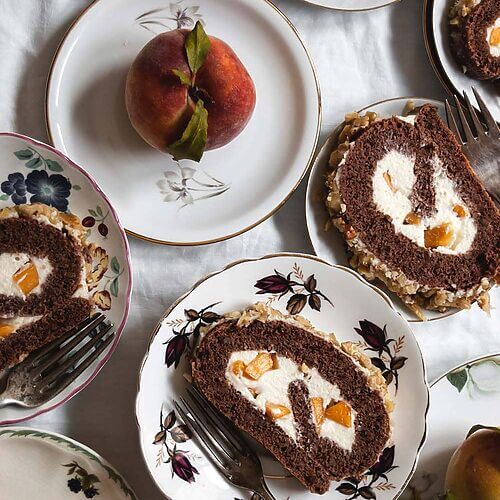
321 407
269 393
412 212
43 278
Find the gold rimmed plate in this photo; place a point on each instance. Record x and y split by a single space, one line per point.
233 188
437 42
352 5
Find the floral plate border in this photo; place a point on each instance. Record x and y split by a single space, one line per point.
75 446
180 464
40 146
460 378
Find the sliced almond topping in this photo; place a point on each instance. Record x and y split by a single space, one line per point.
26 278
349 233
318 410
495 36
413 219
6 330
238 367
439 236
459 210
340 412
388 179
274 411
261 364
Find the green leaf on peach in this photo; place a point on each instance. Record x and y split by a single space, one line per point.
192 143
197 46
185 80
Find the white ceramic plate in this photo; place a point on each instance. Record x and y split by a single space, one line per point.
464 397
450 73
44 465
59 182
352 5
233 188
233 288
329 245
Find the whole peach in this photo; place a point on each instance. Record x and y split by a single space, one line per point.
160 106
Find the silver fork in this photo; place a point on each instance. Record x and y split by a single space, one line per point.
49 370
482 148
223 445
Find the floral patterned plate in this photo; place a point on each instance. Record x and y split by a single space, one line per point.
233 188
334 299
30 172
45 465
465 396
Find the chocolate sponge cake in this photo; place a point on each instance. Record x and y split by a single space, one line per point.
412 212
475 37
320 407
43 271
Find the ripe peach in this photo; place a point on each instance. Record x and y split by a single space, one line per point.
160 106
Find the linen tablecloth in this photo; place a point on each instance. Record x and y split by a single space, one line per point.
360 58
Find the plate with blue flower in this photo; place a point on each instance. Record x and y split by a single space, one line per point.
33 172
41 464
334 299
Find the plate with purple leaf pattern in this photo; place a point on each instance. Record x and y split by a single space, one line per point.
334 299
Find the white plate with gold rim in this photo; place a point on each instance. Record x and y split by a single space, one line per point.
233 188
465 396
329 245
346 303
446 67
352 5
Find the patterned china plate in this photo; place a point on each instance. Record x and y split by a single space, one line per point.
329 245
343 303
233 188
435 25
466 396
44 465
352 5
30 172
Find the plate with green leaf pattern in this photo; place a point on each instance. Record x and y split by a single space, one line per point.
44 465
466 396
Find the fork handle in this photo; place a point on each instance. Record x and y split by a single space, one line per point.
264 492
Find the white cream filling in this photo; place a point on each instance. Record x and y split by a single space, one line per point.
10 263
272 387
494 49
395 202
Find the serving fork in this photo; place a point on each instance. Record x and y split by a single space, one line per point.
482 148
50 369
222 443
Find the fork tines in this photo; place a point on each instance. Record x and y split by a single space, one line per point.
59 363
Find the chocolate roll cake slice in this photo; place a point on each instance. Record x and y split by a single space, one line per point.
412 212
475 37
320 407
43 278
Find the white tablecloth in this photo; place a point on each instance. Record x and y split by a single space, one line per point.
360 58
